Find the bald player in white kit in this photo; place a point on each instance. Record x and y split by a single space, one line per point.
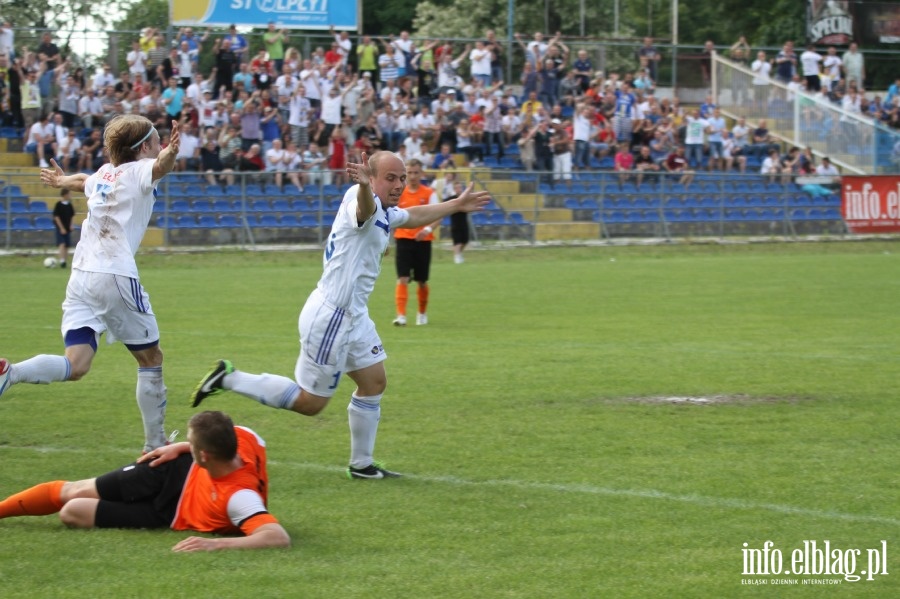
336 334
104 293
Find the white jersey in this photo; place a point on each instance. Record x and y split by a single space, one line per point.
352 258
120 202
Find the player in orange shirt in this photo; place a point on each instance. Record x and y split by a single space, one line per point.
216 482
414 246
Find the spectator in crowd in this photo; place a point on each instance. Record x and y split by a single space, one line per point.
677 165
41 140
274 39
771 165
644 163
68 150
623 163
811 63
786 63
832 66
732 154
740 51
854 66
649 57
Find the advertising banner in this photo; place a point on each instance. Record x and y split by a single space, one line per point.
829 22
289 14
871 203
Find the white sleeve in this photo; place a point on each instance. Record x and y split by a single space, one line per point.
244 504
434 199
397 216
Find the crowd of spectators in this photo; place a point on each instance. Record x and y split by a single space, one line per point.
301 118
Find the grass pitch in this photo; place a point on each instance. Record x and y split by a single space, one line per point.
578 422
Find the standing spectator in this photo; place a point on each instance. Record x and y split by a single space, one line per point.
390 64
625 111
562 152
309 78
761 69
494 46
717 129
173 100
69 95
543 149
344 46
583 69
63 214
740 51
367 56
155 57
811 61
104 266
413 253
299 113
274 39
832 64
137 59
225 61
7 39
854 66
30 93
239 44
706 61
406 49
480 59
48 54
786 63
188 156
188 62
648 57
251 121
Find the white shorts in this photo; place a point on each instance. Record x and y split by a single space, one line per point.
115 304
333 342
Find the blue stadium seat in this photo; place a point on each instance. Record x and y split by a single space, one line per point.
186 221
38 207
201 206
229 221
207 221
178 206
479 219
166 222
18 207
289 220
281 206
308 220
497 218
222 206
259 206
267 220
517 218
44 223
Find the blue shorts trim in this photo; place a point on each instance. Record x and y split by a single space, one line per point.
141 346
82 336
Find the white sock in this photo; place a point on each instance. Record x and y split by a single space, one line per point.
41 369
151 399
363 414
270 390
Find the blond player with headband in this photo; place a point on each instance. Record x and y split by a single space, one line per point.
104 293
337 335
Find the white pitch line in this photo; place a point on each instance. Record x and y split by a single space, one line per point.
714 502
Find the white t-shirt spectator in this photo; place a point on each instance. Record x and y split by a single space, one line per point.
761 70
810 61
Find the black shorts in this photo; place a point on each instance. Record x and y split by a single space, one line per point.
63 238
459 228
138 496
413 259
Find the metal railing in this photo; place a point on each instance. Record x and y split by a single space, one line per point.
853 141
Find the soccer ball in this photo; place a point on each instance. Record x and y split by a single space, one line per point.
51 262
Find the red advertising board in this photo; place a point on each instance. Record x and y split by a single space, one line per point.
871 203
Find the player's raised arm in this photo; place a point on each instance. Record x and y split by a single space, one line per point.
365 200
165 162
56 177
468 201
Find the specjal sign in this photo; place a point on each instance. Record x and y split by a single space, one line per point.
829 22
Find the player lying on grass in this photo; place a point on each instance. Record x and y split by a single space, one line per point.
216 482
337 335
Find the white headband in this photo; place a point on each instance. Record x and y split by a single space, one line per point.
145 138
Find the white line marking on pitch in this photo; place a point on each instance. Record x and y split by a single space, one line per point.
715 502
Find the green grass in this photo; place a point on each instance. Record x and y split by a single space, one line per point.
537 463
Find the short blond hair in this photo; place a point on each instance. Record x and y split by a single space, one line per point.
124 136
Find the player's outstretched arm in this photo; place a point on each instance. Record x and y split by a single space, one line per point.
361 173
164 454
165 162
468 201
56 177
264 537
